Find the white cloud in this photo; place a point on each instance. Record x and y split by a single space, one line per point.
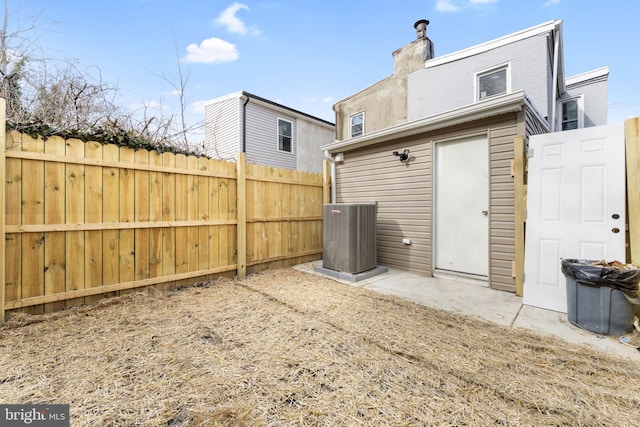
212 50
446 6
327 99
458 5
551 3
232 23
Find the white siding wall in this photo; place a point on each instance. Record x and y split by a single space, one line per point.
452 85
262 137
223 123
595 100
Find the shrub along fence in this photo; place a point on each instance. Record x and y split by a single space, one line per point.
84 220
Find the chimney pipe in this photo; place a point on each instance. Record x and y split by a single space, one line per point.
421 28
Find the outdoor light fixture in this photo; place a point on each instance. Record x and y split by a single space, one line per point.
404 156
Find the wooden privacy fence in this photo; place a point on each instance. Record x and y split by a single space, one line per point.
86 220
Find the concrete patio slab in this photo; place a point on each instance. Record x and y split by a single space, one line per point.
503 308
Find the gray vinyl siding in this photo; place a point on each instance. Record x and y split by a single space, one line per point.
403 193
533 124
451 85
223 121
404 196
502 206
262 137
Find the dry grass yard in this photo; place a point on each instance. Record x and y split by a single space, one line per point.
288 348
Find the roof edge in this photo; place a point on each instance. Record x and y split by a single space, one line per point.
493 44
588 75
241 93
512 102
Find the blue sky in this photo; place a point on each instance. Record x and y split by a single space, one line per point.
309 54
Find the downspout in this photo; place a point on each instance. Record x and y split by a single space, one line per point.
244 122
332 174
554 95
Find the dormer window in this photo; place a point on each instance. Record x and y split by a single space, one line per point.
356 123
493 82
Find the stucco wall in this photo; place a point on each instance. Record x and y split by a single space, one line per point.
385 102
311 137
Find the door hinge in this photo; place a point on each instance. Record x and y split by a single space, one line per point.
530 152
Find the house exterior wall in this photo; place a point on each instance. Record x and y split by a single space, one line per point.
595 93
230 117
311 137
223 123
262 137
404 195
385 102
451 85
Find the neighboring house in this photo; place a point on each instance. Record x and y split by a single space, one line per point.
439 132
269 133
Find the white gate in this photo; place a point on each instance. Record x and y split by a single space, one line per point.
575 207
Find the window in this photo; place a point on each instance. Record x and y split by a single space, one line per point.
570 113
285 132
496 81
356 124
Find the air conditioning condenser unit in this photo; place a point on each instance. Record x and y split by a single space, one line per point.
349 237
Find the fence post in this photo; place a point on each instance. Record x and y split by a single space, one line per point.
326 181
242 216
520 209
632 146
3 183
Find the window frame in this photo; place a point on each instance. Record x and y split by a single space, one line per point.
579 100
351 117
278 144
506 67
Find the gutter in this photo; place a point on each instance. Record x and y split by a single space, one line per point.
246 98
509 103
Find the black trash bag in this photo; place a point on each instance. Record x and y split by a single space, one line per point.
598 276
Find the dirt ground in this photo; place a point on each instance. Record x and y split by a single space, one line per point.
289 348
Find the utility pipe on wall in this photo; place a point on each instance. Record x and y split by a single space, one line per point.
328 156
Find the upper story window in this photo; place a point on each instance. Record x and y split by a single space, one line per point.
285 135
493 82
356 124
571 113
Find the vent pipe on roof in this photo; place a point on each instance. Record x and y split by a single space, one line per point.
421 28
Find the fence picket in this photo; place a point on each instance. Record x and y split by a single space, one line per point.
96 220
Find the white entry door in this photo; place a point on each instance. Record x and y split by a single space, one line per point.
461 206
575 207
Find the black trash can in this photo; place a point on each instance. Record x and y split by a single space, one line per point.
599 296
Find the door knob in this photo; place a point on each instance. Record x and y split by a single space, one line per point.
485 213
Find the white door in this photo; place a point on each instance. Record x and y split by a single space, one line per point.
575 207
461 206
